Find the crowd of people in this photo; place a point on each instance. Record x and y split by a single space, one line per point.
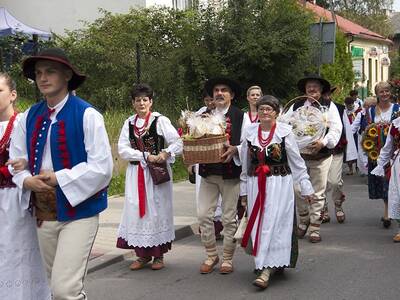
56 165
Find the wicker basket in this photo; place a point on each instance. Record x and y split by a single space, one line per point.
204 150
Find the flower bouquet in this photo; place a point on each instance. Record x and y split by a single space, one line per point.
374 138
203 137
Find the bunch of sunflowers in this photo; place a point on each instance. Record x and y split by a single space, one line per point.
374 139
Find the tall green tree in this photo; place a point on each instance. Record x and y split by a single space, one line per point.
371 14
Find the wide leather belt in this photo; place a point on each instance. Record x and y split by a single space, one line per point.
317 156
46 205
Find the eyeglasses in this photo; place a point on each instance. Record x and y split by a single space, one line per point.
265 109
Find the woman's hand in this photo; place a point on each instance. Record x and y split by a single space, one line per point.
18 164
162 157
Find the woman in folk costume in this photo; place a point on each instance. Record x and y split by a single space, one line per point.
271 166
389 152
147 224
253 94
379 116
352 109
22 275
362 160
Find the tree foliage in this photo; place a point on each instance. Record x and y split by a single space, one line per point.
371 14
254 42
340 74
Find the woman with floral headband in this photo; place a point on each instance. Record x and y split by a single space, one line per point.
374 126
271 166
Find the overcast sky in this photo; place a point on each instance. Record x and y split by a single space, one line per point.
396 5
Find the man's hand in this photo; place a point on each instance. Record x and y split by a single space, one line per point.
310 198
230 152
190 169
243 200
51 177
316 146
18 164
37 183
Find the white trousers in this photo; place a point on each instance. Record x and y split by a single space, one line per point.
65 248
335 180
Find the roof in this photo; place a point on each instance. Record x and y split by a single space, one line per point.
347 26
9 25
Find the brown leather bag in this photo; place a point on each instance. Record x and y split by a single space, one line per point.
159 172
46 205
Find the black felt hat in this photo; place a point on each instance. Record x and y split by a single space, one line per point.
301 84
233 85
57 55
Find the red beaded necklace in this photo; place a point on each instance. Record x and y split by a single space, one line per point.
251 118
139 131
264 142
6 136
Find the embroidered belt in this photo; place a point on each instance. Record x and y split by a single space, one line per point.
46 205
274 170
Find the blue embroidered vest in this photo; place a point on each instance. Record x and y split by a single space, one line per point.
67 150
369 117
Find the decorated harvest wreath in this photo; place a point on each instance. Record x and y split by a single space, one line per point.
308 123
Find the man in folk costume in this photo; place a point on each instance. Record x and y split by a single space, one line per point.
70 167
222 179
320 159
345 150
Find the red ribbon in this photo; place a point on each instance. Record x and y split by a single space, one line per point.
258 209
141 191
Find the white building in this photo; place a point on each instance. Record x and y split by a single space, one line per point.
61 15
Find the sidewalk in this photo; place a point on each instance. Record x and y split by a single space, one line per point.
104 251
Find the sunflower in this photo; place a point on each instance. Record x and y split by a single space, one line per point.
372 132
373 155
368 144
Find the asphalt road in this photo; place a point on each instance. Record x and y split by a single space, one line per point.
355 260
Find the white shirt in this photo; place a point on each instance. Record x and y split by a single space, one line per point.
246 121
86 178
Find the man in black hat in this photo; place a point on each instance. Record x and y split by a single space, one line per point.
69 169
222 178
319 161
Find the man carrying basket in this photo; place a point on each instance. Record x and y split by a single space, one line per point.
222 178
317 155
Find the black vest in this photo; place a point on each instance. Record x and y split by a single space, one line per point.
341 145
150 142
234 117
274 156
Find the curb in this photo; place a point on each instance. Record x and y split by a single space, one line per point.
119 255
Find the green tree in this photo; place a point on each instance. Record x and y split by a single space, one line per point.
371 14
264 42
340 73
